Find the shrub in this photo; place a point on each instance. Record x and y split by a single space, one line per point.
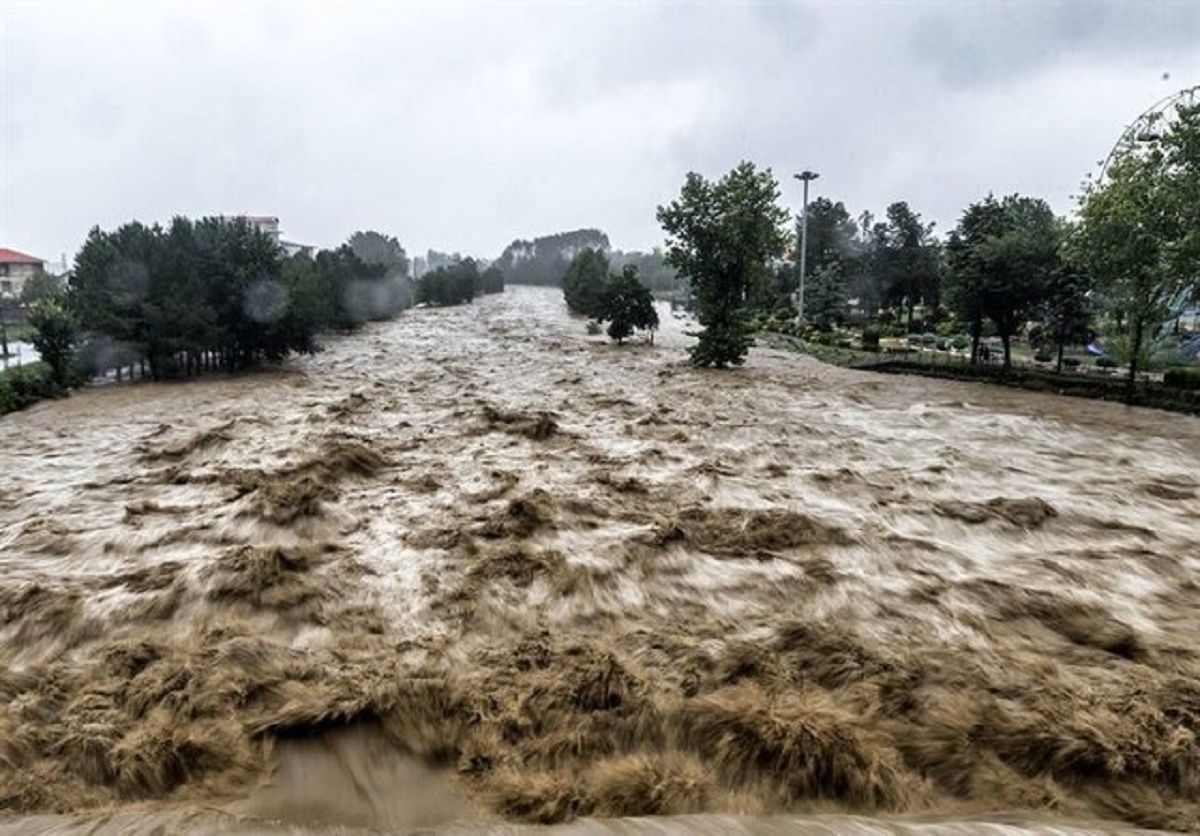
1071 362
26 385
870 339
961 342
593 327
1106 362
1043 357
1183 377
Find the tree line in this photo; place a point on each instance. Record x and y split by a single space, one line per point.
544 260
214 293
1010 267
458 282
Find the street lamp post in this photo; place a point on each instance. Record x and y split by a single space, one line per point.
804 176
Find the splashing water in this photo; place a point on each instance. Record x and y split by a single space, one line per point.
473 566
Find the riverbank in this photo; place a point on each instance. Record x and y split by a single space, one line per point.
1104 387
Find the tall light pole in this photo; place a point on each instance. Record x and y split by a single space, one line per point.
804 176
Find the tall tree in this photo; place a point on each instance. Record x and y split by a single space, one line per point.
1067 307
833 251
1139 232
721 236
907 260
1002 259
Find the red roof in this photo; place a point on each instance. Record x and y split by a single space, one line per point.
8 256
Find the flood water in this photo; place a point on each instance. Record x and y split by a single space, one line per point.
473 570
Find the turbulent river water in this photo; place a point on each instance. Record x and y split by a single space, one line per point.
474 570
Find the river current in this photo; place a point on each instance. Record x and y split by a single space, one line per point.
475 571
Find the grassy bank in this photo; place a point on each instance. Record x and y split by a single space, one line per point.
1106 388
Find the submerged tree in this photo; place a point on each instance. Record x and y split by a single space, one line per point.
721 236
626 305
584 281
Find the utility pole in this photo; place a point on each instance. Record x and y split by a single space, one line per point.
804 176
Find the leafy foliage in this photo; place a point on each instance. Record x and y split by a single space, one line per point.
584 282
1003 257
721 236
626 305
491 280
1139 232
216 292
55 335
26 385
453 285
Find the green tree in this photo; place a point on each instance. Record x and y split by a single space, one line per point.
721 236
584 281
450 285
1002 258
1139 232
907 261
833 251
491 280
55 335
627 304
1067 307
390 289
380 250
543 260
41 285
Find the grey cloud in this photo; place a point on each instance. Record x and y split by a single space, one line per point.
463 126
996 42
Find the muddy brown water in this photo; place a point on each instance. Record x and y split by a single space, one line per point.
475 571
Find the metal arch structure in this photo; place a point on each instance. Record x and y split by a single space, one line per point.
1147 127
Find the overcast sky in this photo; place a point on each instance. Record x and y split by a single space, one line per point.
461 126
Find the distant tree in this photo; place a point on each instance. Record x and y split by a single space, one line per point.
1066 311
627 304
584 281
825 296
652 270
833 252
41 285
491 280
449 285
380 250
543 260
907 261
392 288
721 236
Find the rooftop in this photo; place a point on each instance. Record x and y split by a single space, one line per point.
8 256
